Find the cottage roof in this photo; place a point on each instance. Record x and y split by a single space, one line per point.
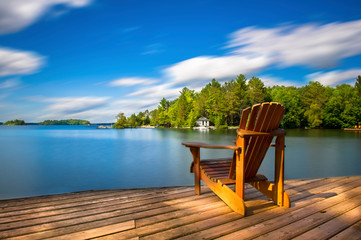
202 119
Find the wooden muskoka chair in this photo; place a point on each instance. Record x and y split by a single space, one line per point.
257 128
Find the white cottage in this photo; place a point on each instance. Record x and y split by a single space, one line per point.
202 122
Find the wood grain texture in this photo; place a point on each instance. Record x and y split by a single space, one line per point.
322 208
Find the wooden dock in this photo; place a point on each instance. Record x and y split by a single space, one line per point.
352 129
325 208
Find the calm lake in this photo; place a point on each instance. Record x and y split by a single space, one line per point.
39 160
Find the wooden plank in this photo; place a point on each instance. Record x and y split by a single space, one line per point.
336 225
115 211
253 117
19 210
145 220
87 210
351 233
305 224
101 218
244 118
85 205
157 229
38 201
292 216
328 190
220 229
19 206
51 198
193 227
96 232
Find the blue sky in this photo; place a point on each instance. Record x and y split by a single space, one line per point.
91 59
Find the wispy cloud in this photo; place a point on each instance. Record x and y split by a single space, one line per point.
15 62
153 48
158 91
200 69
132 81
18 14
72 105
336 77
10 83
320 46
270 81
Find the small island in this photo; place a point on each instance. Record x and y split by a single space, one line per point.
65 122
15 122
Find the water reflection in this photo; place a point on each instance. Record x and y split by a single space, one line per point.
37 160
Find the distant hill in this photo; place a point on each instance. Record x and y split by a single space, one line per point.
65 122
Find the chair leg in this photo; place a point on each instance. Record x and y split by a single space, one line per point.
280 196
196 169
240 178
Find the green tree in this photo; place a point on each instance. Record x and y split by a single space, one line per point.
314 96
357 102
165 104
256 91
181 108
290 98
133 121
214 101
342 107
358 85
121 121
235 98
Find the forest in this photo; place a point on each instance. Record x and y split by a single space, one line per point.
65 122
310 106
15 122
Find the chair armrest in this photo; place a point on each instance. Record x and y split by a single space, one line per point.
205 145
245 133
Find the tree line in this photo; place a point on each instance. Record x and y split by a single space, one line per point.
313 105
15 122
50 122
65 122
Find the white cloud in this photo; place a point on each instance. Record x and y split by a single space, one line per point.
333 78
270 81
71 105
15 62
18 14
9 83
159 91
132 81
201 69
310 44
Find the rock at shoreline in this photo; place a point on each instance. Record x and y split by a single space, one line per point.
104 127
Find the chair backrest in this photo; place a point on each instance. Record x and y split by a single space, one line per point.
263 117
